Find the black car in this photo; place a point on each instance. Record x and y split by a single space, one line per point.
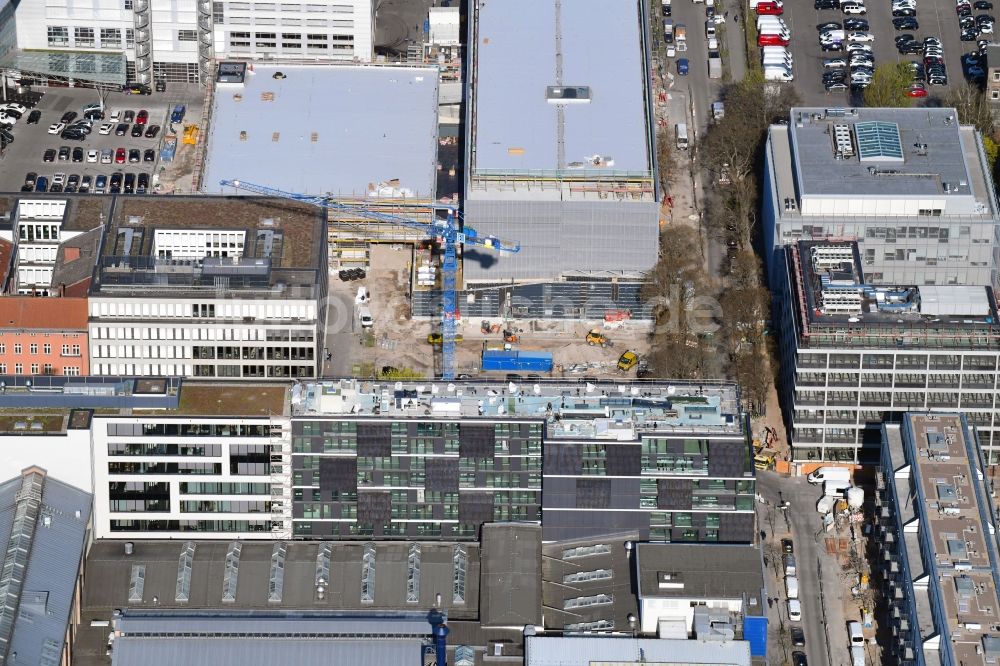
832 46
73 134
983 19
12 113
137 89
63 153
142 183
799 659
128 116
49 155
831 25
798 637
827 4
85 184
905 23
152 131
136 131
29 181
787 547
72 183
667 11
967 23
902 39
93 114
149 155
34 117
904 12
78 154
982 5
910 48
115 186
122 129
134 155
82 126
161 85
854 23
969 35
128 186
68 117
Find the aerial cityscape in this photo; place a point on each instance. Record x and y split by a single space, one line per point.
499 332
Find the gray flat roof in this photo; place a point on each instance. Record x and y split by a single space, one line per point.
574 650
516 59
704 571
511 575
932 153
326 129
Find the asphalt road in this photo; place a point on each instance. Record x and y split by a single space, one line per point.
823 620
936 17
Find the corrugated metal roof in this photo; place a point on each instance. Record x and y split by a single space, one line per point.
954 300
208 623
53 565
575 650
266 652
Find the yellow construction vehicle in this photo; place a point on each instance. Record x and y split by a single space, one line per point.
436 338
765 459
627 361
596 337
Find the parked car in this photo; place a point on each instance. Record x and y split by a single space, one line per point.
93 155
29 181
120 156
42 184
137 89
682 66
142 183
122 129
72 183
161 85
57 128
63 155
100 184
798 637
151 131
34 117
854 23
128 116
853 8
149 155
177 115
136 131
85 183
142 117
49 155
134 155
916 90
78 155
68 117
107 156
115 184
106 128
128 184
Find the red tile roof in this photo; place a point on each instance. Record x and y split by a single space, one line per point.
54 314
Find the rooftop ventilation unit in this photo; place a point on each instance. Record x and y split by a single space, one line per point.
843 146
567 94
276 582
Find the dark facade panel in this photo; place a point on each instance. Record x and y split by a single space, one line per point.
442 474
563 459
593 493
736 527
374 508
726 458
623 460
374 440
568 525
476 441
475 507
338 474
673 493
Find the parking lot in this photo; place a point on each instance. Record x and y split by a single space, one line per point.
936 17
31 142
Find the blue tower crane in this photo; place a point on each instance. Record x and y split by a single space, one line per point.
448 229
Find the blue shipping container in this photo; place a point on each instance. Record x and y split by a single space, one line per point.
755 632
517 360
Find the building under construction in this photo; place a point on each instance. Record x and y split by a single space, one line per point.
854 353
559 157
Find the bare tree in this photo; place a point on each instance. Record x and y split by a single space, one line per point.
973 107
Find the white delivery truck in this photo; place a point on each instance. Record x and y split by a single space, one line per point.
824 474
857 655
779 50
769 20
784 33
835 488
792 587
775 59
778 73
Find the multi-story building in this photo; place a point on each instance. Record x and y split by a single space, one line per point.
43 336
667 461
912 186
560 157
993 75
179 40
854 354
209 287
938 552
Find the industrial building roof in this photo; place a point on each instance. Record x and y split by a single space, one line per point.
588 55
834 294
241 639
511 580
293 567
620 650
879 152
954 512
613 411
318 129
282 247
46 522
75 259
33 313
701 571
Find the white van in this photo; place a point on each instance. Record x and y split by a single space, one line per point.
681 130
794 610
792 587
778 73
709 30
776 50
776 60
855 634
824 474
789 562
365 317
835 488
769 20
857 655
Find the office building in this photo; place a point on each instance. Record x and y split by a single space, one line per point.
912 187
43 336
209 287
854 353
669 461
992 67
937 549
46 525
560 157
180 40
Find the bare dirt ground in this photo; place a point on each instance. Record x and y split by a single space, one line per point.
397 340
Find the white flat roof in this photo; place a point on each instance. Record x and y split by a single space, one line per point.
515 127
326 129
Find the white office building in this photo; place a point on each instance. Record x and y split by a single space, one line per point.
178 40
239 296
